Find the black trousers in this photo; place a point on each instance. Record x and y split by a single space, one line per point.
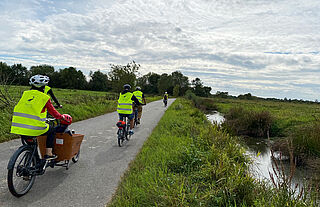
51 133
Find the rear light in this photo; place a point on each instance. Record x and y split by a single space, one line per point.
29 140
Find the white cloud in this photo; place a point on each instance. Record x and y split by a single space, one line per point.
264 47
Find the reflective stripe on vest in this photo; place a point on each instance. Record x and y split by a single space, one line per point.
46 89
27 117
125 103
138 95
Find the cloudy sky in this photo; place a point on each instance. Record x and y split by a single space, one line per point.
270 48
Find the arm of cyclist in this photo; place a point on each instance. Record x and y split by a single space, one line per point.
135 100
50 92
144 100
52 111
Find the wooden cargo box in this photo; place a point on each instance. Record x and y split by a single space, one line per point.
65 145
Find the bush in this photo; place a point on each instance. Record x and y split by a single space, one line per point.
241 122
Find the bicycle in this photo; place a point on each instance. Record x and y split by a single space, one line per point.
165 102
26 163
123 131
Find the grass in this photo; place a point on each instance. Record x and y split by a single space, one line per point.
286 115
298 122
80 104
189 162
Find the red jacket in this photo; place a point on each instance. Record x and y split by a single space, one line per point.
51 110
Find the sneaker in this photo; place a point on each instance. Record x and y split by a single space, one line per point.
50 157
131 132
138 121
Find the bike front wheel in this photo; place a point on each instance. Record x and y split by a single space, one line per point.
20 179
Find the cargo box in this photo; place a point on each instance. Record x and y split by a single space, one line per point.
65 145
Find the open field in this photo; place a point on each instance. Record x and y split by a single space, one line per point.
80 104
286 115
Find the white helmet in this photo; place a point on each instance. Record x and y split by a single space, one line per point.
39 80
165 92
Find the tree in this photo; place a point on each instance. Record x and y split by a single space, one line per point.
20 75
178 79
71 78
176 91
120 75
42 70
199 89
165 83
149 83
99 81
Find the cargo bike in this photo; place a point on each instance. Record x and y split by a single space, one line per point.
27 163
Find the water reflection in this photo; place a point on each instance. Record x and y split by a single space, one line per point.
215 117
259 151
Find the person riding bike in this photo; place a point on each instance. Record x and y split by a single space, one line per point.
140 96
165 98
30 113
48 91
125 105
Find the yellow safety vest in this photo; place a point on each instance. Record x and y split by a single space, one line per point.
125 103
27 117
138 95
46 89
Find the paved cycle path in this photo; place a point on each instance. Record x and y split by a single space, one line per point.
94 178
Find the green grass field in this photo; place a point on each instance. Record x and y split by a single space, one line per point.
80 104
286 115
189 162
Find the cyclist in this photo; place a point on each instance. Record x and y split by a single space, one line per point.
140 96
48 91
125 105
30 113
165 98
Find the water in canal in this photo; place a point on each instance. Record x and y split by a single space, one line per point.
259 151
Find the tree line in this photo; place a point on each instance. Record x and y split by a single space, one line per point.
70 78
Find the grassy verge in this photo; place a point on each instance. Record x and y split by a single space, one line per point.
80 104
189 162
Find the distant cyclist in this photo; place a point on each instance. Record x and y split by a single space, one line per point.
125 105
140 96
31 111
165 98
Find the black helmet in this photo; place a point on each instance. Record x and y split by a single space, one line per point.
138 88
127 86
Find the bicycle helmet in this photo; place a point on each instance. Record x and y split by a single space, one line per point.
67 119
39 80
166 92
121 124
127 86
138 88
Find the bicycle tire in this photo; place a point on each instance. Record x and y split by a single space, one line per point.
127 132
13 170
76 157
120 137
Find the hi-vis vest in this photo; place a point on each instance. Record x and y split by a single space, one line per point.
125 103
138 95
27 117
46 89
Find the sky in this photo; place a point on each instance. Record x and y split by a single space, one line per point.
269 48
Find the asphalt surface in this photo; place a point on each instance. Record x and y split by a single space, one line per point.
94 178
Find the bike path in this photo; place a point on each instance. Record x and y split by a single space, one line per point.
94 178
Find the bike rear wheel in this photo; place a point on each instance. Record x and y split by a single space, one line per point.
120 137
20 180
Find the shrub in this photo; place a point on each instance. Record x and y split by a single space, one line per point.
241 122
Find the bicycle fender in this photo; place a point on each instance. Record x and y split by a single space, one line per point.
15 154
